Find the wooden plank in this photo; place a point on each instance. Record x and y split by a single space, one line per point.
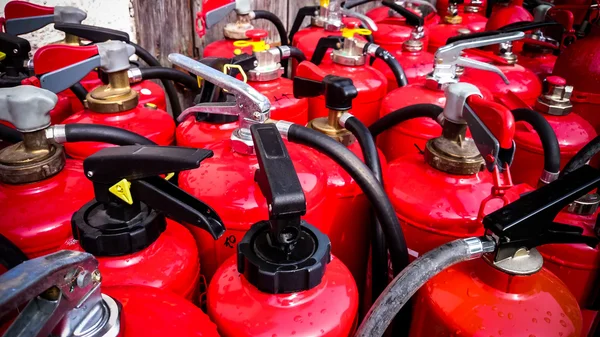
279 8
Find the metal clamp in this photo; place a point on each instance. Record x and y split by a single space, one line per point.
63 290
448 57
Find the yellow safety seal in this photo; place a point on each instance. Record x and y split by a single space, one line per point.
2 56
122 190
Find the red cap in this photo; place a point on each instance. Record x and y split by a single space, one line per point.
257 34
351 22
556 81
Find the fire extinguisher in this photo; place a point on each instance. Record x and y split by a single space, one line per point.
421 8
504 288
517 79
214 11
571 130
332 195
455 23
282 260
65 294
408 50
450 175
114 104
326 20
350 60
133 224
469 6
263 72
411 136
512 13
35 174
576 65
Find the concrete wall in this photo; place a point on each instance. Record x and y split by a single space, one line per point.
115 14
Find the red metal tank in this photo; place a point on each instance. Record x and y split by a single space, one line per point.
203 130
572 131
513 12
450 27
126 227
575 264
521 81
299 288
578 64
351 62
538 59
486 300
450 178
152 312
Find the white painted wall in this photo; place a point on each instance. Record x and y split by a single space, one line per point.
114 14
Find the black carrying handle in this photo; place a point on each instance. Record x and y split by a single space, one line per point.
279 183
529 221
303 12
323 45
521 26
141 166
92 33
411 18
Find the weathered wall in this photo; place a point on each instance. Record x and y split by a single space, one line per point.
116 14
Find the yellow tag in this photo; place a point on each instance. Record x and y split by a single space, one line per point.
235 66
122 189
170 175
2 56
257 46
199 79
349 32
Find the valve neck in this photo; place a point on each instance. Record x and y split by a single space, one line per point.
453 17
116 96
556 97
453 152
237 30
71 40
330 126
351 54
506 52
269 66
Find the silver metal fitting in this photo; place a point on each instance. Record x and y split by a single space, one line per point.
586 205
135 75
351 53
57 133
343 118
548 177
476 247
372 49
556 100
285 52
241 141
284 128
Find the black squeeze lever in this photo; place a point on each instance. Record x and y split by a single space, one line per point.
16 52
280 185
338 91
411 17
323 45
529 221
141 166
92 33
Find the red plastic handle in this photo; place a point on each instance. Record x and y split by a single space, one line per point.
511 101
22 9
53 57
310 71
257 34
497 118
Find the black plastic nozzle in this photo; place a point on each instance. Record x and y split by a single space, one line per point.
16 53
324 44
529 221
132 200
338 91
412 18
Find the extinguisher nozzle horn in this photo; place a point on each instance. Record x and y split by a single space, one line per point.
141 166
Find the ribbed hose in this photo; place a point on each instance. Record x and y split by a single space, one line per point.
379 269
10 255
104 134
367 182
169 86
394 65
9 134
413 277
547 137
583 156
403 114
169 74
79 91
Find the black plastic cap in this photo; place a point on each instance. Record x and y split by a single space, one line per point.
339 92
274 273
101 235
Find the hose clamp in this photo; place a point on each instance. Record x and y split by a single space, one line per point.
345 116
478 246
286 52
548 177
371 49
135 75
57 133
284 128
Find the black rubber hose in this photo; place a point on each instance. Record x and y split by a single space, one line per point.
297 54
583 156
103 133
394 65
154 73
9 82
9 134
10 255
169 86
546 134
274 19
367 182
403 114
379 269
79 91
